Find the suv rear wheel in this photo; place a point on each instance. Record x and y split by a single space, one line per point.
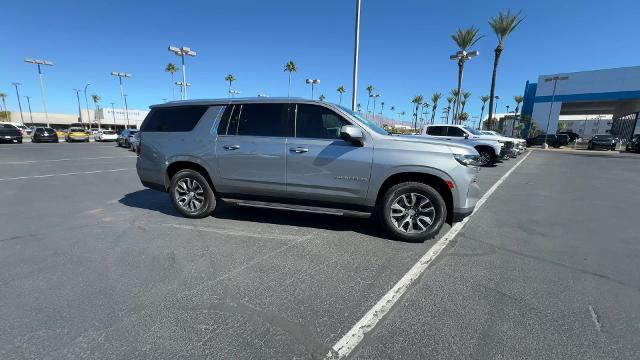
191 194
413 211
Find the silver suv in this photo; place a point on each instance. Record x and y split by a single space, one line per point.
304 155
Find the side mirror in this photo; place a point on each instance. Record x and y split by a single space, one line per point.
466 136
352 134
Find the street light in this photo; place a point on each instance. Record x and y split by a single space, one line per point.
113 113
555 80
79 109
126 109
121 75
16 84
39 62
462 56
182 52
233 93
374 96
312 82
29 104
183 87
356 48
86 103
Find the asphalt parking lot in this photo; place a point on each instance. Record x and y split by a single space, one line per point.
93 265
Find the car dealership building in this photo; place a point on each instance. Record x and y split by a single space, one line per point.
592 95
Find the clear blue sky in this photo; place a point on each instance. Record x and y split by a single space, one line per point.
405 46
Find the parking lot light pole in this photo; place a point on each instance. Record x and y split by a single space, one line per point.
39 62
29 105
113 112
126 109
555 80
16 84
79 106
86 103
312 82
356 48
375 96
121 75
182 52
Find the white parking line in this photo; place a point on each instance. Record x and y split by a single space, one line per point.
53 160
356 334
236 232
65 174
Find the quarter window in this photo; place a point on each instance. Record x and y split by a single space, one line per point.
455 132
317 122
173 119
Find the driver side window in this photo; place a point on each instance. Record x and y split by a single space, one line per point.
317 122
455 132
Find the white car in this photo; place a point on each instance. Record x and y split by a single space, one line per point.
105 135
519 144
489 147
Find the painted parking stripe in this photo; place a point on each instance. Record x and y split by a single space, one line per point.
54 160
65 174
236 232
356 334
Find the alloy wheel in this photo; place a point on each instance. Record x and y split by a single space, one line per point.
189 194
412 213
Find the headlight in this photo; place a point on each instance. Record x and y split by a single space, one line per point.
467 160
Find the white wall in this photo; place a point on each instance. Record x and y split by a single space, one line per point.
596 81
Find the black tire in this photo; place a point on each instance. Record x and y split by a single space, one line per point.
20 141
394 195
209 199
488 155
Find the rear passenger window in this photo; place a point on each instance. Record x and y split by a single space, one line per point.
317 122
259 120
173 119
455 132
437 130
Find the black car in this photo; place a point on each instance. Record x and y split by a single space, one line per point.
10 133
554 140
572 136
602 141
124 139
634 144
44 134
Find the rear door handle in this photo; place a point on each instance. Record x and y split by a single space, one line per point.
298 150
231 147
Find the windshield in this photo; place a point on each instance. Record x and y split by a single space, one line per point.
368 123
107 132
472 130
76 130
602 137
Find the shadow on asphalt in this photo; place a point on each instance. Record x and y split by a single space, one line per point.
157 201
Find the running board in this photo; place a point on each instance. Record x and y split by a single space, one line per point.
299 208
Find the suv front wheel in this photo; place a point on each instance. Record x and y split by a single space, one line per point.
191 194
413 211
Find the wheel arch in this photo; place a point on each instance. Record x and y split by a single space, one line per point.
187 163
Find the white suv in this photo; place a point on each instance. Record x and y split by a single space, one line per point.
519 145
490 148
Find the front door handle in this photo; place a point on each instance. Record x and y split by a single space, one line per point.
298 150
231 147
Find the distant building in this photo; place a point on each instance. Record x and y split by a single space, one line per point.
107 117
612 93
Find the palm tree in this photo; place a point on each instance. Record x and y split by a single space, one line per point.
417 101
455 94
370 89
96 100
435 97
502 26
321 97
450 99
533 128
393 113
230 78
172 69
464 39
359 107
290 67
465 97
519 128
484 99
4 102
341 90
518 99
381 107
402 114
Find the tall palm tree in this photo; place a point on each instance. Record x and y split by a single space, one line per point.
290 66
393 113
321 97
230 78
456 99
484 99
465 97
502 25
381 107
96 100
370 89
172 69
402 114
435 97
417 101
518 99
341 90
4 102
359 108
450 99
464 39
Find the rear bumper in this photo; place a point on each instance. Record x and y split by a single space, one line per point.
10 138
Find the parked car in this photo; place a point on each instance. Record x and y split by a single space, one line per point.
572 136
76 134
304 155
489 147
553 140
105 135
602 141
519 145
61 133
124 139
134 143
634 144
44 134
10 133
